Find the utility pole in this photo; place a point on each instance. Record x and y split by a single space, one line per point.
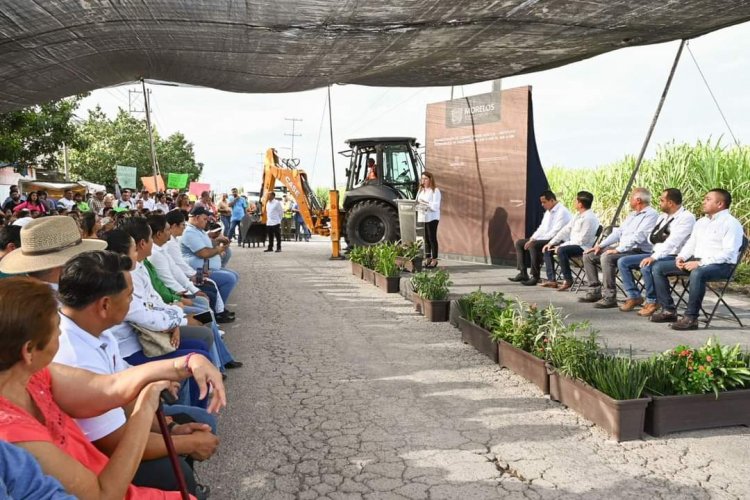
293 135
150 134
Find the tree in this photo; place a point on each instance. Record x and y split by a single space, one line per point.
124 141
35 135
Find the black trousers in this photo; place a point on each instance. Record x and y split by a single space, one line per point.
532 257
274 231
159 474
430 239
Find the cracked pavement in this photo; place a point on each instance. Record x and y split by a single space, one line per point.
347 393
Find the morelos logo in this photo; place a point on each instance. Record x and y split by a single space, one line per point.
483 108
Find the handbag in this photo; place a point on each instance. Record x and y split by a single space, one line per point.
660 234
154 343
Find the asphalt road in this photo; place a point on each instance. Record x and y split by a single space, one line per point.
347 393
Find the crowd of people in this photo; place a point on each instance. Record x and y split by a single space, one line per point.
105 302
658 244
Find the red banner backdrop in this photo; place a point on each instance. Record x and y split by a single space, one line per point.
483 154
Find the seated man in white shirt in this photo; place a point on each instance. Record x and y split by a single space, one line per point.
529 251
95 291
628 239
672 230
571 241
709 254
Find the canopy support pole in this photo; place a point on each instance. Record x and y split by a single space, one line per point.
650 132
330 129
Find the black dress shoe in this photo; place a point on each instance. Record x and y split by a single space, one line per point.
228 312
224 318
519 277
663 317
684 323
278 249
233 364
530 282
268 250
591 297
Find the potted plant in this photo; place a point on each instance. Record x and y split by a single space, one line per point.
409 256
356 257
432 288
368 264
480 312
386 270
698 389
523 337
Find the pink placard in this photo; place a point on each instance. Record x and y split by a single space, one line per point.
197 188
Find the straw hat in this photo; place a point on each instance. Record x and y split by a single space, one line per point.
46 243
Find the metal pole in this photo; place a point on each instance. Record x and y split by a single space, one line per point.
330 128
150 134
65 161
648 134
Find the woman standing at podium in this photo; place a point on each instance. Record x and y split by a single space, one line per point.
428 208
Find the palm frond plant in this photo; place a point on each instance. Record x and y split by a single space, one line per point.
357 255
618 377
385 259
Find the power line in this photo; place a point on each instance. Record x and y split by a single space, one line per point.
293 135
320 133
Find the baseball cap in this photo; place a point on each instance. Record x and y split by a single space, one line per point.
199 210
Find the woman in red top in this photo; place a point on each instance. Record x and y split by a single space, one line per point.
39 399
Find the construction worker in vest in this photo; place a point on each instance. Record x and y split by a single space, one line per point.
287 220
372 170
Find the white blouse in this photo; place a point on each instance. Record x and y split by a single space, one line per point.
428 206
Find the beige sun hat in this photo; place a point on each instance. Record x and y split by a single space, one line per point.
46 243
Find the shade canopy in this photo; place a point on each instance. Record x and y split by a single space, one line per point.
55 48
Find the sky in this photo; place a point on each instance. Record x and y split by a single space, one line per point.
586 114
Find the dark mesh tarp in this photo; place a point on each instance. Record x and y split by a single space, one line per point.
55 48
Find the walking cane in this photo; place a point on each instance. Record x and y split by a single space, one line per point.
166 396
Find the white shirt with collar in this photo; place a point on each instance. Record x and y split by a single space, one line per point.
715 240
169 272
147 309
174 249
80 349
580 231
552 222
274 212
66 203
680 227
150 204
634 232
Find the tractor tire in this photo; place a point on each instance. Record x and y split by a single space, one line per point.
371 222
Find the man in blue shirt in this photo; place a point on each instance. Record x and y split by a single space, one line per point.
239 205
200 251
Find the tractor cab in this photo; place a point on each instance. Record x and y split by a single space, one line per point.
381 171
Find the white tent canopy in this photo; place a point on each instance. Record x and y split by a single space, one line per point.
55 48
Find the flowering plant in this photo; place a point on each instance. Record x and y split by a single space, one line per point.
710 368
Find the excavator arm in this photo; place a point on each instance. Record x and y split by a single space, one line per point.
315 215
